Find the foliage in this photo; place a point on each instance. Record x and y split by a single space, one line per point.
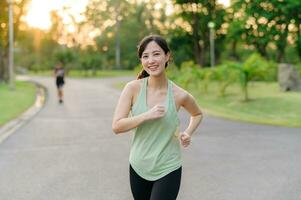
180 44
243 28
65 56
196 14
135 20
266 22
91 62
189 74
254 67
18 10
225 75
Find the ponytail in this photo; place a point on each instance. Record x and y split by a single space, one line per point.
142 74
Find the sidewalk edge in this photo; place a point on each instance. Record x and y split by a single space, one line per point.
9 128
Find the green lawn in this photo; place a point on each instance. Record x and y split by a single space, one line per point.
88 74
267 104
14 102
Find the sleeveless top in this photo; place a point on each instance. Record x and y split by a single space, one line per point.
59 72
155 150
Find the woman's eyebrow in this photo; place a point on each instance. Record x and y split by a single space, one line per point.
155 51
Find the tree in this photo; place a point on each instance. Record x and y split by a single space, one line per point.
295 13
234 32
19 10
254 67
198 13
266 21
136 19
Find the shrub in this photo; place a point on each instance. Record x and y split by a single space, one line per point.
225 75
255 67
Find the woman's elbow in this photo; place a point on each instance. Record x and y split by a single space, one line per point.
115 128
198 117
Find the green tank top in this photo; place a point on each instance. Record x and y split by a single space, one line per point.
155 150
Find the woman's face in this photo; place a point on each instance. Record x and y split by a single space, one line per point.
153 59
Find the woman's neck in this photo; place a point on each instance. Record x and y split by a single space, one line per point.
157 82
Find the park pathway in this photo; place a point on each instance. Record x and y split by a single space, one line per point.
69 152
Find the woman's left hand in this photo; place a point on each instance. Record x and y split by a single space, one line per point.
185 139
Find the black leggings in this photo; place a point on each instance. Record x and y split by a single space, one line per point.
165 188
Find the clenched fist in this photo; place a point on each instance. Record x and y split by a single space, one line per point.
185 139
156 112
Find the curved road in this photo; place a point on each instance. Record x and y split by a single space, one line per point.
68 152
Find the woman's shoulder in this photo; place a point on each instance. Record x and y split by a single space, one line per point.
134 85
179 90
179 93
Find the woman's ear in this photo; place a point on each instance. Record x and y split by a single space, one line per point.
168 57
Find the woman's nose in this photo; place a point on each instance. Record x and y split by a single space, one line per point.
151 59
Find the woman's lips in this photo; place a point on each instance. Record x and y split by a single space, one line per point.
153 68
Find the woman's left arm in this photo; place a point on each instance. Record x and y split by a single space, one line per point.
196 116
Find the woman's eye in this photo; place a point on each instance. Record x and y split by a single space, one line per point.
157 54
144 57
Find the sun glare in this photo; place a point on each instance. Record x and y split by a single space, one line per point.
38 15
225 2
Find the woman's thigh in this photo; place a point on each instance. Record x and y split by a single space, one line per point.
167 187
141 188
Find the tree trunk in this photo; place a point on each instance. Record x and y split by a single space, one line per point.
117 35
246 94
281 44
299 40
198 50
4 51
261 48
233 50
3 66
280 55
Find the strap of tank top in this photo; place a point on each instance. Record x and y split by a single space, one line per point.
142 95
171 98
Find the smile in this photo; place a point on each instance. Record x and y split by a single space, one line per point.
153 68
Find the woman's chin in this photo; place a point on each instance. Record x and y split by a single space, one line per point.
155 73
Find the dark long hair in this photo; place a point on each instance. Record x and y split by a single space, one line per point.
142 45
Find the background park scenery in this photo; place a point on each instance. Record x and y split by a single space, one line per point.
226 53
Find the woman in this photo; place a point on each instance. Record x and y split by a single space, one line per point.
153 100
59 74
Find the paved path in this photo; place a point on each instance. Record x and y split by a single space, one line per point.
68 152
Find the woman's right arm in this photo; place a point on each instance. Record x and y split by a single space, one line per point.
121 120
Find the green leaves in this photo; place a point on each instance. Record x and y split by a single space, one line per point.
198 14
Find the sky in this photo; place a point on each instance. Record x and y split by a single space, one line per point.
39 10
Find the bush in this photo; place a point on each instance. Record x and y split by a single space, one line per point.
254 68
225 75
190 73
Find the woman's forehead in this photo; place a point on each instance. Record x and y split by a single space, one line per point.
151 47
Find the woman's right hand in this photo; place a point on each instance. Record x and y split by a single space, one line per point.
155 112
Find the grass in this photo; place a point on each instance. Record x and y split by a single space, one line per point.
88 74
267 104
14 102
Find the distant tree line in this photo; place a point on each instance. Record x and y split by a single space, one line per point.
108 36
